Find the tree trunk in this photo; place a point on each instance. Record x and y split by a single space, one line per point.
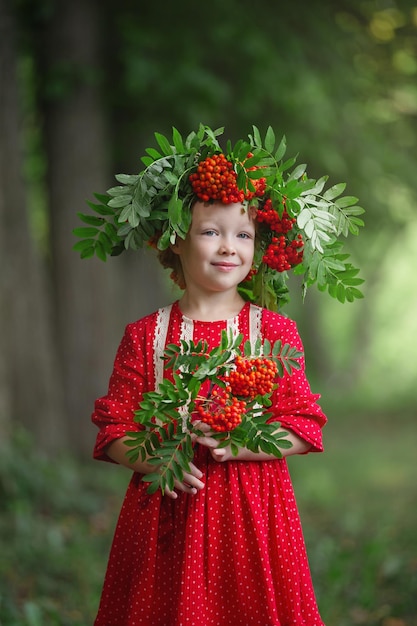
30 389
89 294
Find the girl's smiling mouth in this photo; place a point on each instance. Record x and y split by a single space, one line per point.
222 265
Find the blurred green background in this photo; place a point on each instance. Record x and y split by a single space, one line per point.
84 86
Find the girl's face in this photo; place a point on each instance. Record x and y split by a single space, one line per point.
217 253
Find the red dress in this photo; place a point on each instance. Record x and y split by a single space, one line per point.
233 554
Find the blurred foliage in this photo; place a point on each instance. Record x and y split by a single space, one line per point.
54 531
358 506
357 503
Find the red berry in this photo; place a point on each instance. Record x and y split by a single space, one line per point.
216 179
222 411
252 377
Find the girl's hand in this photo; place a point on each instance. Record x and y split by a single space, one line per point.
218 454
191 483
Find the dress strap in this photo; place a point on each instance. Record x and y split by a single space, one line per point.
161 331
233 326
187 329
255 319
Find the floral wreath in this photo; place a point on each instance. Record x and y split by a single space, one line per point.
299 222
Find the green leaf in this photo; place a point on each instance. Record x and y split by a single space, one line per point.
257 137
247 350
100 251
281 150
317 187
120 201
85 231
178 472
174 209
147 160
153 476
101 209
83 245
256 174
346 201
270 140
241 176
105 241
287 164
341 293
127 179
334 191
153 486
154 154
111 231
234 449
164 144
91 219
171 178
280 368
303 218
169 480
355 293
266 347
178 141
87 253
240 150
298 172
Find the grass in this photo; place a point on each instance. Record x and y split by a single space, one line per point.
55 528
358 505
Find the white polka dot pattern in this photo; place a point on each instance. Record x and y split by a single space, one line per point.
232 554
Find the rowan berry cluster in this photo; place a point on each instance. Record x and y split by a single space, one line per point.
222 410
282 254
267 214
216 179
252 377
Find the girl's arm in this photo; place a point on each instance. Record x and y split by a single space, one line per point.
191 484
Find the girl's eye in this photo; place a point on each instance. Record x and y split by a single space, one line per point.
244 236
210 233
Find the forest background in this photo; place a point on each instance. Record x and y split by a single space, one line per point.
84 85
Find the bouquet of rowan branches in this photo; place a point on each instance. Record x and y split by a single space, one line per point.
241 380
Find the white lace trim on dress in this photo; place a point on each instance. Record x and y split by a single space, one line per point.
255 319
161 331
187 329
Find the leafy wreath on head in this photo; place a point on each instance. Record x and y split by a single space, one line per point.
300 223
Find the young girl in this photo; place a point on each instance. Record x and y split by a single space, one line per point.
225 546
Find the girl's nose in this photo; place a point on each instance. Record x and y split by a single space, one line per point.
226 248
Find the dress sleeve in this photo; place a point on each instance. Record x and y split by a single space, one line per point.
294 405
114 413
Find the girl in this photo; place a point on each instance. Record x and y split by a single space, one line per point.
225 546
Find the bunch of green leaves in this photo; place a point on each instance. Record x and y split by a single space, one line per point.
167 434
155 205
322 217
